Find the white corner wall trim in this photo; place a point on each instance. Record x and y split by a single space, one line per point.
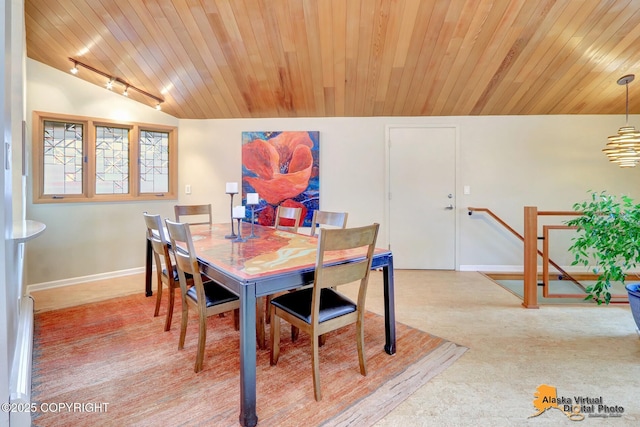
84 279
20 386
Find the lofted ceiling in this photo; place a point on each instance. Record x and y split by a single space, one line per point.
350 58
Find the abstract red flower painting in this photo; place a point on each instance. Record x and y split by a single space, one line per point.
283 168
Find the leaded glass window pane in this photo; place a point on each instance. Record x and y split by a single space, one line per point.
63 154
84 159
112 160
154 162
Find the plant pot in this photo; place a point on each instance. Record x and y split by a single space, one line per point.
634 302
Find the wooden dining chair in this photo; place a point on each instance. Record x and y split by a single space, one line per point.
207 298
166 275
321 309
326 218
201 211
288 218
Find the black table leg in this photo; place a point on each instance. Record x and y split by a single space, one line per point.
389 308
248 416
148 270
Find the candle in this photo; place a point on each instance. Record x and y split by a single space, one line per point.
232 187
252 198
238 212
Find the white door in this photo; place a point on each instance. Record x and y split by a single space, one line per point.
422 214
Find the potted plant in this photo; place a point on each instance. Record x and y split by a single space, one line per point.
609 240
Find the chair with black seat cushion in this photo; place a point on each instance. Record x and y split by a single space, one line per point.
288 218
197 213
320 309
166 275
207 298
323 219
326 218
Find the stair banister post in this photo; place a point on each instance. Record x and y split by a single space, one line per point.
530 257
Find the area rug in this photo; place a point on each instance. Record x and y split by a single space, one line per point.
111 364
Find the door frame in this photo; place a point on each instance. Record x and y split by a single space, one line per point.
458 188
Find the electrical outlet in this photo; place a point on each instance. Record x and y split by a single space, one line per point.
187 189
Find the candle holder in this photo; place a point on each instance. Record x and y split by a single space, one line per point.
239 238
233 233
252 235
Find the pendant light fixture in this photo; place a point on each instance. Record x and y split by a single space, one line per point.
624 148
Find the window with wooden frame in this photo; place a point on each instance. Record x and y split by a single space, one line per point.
81 159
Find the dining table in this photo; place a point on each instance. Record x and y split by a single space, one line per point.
271 262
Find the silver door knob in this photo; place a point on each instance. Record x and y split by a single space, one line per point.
450 207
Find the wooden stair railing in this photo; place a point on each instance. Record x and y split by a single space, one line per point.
521 237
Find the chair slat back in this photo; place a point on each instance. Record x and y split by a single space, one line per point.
343 274
181 211
155 234
185 255
333 219
290 213
182 245
327 275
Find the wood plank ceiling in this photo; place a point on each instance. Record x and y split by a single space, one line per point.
351 58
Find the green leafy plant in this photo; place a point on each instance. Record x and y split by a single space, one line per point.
608 238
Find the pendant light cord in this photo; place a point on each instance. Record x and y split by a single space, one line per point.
627 110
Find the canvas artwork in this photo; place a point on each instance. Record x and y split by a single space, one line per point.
283 168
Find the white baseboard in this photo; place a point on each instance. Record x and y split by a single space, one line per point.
495 268
84 279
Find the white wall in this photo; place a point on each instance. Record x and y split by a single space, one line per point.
509 162
545 161
84 239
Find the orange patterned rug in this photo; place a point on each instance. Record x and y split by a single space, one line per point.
110 364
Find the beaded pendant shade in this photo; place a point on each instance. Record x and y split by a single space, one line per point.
624 148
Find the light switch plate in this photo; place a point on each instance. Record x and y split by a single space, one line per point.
466 189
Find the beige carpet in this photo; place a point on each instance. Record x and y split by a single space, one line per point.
115 352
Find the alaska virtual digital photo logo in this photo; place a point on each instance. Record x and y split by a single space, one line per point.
576 408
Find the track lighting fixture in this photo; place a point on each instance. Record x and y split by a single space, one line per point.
113 80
